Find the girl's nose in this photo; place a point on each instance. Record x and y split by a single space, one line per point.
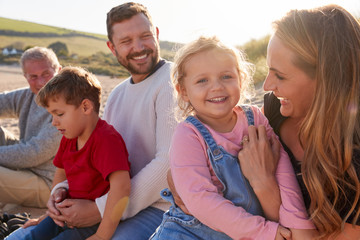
217 85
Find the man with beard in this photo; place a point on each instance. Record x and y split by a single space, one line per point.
141 109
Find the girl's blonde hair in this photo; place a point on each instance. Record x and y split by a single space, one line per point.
326 42
200 45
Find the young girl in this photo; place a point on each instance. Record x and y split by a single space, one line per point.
210 79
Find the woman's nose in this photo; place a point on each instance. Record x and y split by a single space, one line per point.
269 83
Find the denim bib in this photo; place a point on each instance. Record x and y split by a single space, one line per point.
177 225
236 187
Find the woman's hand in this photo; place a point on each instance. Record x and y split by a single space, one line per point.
258 160
177 199
76 213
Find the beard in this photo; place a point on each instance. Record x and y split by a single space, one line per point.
136 69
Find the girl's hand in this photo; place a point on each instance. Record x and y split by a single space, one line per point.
283 233
258 158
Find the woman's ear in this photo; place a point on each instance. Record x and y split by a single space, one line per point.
182 92
87 106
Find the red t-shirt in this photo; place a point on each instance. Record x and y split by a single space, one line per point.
87 170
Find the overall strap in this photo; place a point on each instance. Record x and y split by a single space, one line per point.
210 142
249 113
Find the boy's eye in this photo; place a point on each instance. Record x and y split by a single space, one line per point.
59 114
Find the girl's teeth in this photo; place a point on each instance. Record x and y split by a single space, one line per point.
217 99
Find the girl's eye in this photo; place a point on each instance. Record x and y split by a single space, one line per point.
60 114
226 77
201 80
279 77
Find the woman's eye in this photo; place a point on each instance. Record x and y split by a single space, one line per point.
279 77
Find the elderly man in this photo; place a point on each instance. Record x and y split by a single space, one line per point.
26 169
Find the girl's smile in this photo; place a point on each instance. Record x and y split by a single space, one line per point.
212 86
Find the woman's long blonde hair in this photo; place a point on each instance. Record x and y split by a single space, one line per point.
326 42
203 44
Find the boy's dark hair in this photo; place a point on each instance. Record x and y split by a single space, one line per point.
73 83
123 12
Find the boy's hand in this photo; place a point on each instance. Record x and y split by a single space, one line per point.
95 237
77 213
34 221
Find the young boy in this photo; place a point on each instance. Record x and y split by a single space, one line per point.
92 155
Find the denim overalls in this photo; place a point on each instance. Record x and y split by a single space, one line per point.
178 225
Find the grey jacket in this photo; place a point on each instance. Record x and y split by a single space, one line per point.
39 140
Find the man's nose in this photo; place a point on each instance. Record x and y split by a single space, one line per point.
138 45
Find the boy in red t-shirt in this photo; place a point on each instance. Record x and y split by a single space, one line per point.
92 155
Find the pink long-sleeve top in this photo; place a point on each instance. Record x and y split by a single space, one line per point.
201 190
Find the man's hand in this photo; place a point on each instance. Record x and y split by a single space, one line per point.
58 196
76 213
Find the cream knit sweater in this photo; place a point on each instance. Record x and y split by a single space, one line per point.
143 114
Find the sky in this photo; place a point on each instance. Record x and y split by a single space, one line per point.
234 21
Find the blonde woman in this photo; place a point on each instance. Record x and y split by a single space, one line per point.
314 76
